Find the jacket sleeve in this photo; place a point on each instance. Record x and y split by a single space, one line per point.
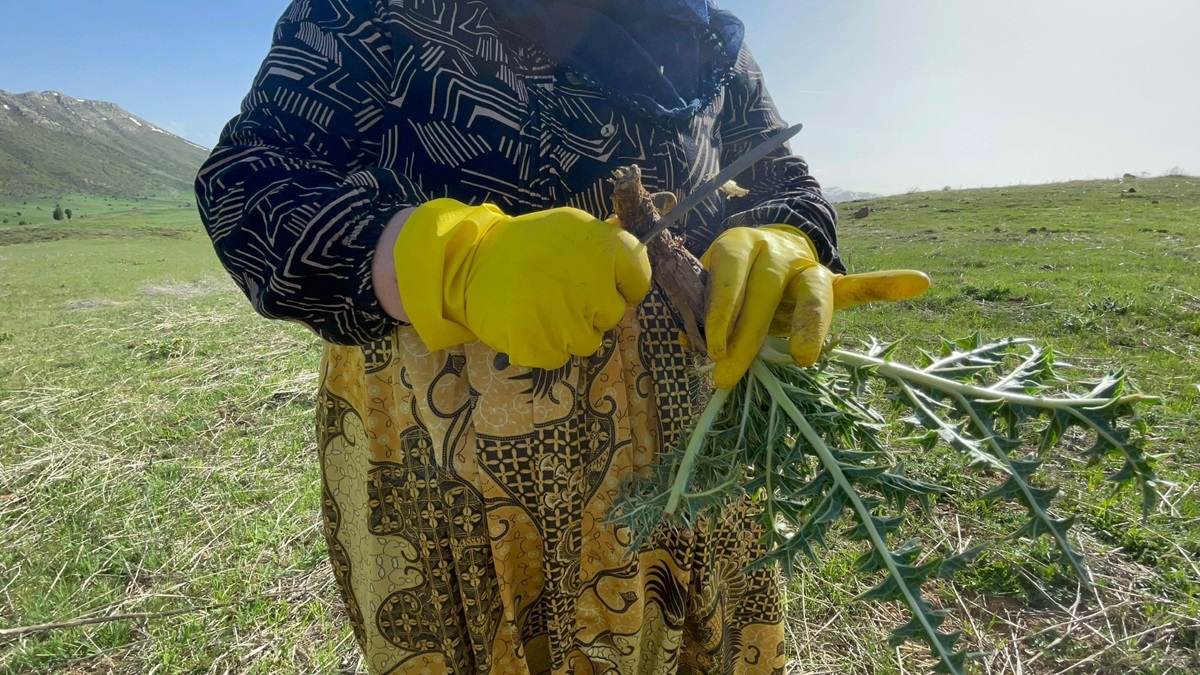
781 189
293 196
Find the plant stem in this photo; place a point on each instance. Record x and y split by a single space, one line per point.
965 443
780 398
989 437
1072 406
897 371
695 444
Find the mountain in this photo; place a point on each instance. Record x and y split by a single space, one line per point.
52 144
837 194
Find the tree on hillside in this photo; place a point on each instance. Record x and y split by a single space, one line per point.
58 212
69 214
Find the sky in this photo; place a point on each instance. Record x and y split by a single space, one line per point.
894 94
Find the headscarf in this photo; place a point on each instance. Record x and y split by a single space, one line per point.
666 58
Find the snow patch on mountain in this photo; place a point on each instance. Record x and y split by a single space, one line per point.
837 194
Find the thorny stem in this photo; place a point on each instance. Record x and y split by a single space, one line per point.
899 373
1028 361
695 443
1117 443
896 371
920 406
780 398
768 486
746 408
955 357
1060 536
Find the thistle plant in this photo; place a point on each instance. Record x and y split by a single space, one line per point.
806 446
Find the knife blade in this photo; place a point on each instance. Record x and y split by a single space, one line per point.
733 170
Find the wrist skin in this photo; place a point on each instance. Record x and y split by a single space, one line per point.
383 267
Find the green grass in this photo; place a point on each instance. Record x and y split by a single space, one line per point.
158 455
40 210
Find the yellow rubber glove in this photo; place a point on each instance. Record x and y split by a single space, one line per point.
538 287
766 280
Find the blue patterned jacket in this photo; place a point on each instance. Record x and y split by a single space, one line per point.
363 107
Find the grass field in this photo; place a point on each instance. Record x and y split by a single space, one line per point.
40 210
157 456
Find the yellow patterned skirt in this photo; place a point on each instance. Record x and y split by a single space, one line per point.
465 501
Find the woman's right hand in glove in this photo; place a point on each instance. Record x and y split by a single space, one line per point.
539 287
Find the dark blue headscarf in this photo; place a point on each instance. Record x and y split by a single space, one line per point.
667 58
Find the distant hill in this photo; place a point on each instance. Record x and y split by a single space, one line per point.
837 194
52 144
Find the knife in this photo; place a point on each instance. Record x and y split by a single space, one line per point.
733 170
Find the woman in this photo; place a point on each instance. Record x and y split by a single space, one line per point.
413 180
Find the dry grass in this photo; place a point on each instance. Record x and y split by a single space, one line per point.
163 472
1126 626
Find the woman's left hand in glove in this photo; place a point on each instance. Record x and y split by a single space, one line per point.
767 281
